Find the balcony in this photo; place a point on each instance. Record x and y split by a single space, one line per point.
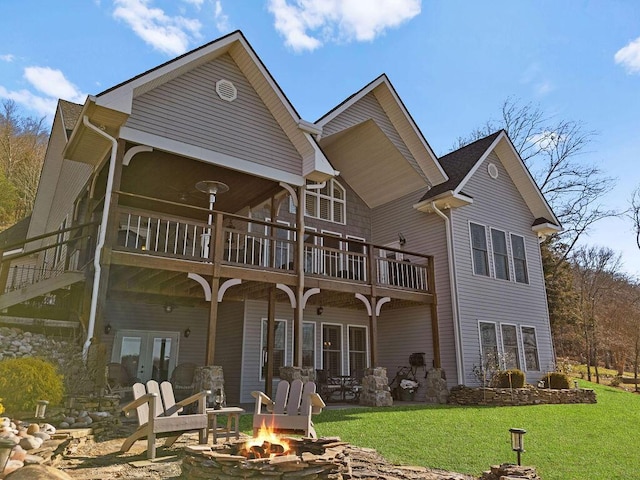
245 243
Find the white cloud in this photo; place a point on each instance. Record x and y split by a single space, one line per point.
195 3
629 56
307 24
7 58
547 140
222 20
51 84
170 35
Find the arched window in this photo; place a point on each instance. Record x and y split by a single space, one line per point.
327 203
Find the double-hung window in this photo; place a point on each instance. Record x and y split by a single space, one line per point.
530 343
357 350
479 249
308 344
500 254
489 345
279 350
519 259
510 346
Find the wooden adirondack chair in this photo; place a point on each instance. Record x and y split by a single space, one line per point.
292 409
158 416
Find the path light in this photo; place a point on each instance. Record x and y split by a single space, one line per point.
41 408
6 445
517 441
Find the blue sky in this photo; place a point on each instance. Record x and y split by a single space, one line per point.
452 62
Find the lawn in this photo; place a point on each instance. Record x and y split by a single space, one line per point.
562 441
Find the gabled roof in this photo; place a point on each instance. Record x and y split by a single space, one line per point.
111 108
401 119
461 164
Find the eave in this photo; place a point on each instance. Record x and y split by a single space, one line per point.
444 201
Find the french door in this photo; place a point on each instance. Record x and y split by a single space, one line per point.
146 355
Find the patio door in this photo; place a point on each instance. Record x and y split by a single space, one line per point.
146 355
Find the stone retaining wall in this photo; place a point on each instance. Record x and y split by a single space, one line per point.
462 395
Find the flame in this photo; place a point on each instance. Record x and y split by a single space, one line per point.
266 435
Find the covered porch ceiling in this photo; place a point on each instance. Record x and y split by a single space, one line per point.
173 178
371 164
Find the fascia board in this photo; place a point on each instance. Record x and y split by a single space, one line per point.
350 101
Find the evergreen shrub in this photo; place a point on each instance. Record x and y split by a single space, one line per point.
514 378
24 381
556 380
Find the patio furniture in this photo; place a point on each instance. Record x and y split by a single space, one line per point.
182 379
233 418
158 416
329 387
292 409
119 381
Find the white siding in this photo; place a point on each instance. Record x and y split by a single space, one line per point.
187 109
498 204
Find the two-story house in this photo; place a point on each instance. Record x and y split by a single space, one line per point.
190 214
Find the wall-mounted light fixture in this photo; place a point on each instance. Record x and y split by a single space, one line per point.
168 308
107 329
187 332
320 310
401 240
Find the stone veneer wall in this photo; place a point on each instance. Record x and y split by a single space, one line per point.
462 395
375 388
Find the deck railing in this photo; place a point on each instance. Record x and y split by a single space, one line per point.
268 245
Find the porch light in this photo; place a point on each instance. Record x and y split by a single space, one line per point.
517 441
107 329
6 445
41 408
168 308
187 332
320 310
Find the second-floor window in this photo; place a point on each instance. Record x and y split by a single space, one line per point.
479 249
500 255
519 259
327 203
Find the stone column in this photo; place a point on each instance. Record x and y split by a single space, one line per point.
306 374
375 388
208 378
436 382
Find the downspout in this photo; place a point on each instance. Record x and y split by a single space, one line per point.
102 234
454 293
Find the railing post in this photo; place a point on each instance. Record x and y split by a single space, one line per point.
373 270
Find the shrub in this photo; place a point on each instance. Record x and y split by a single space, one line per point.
556 380
513 378
24 381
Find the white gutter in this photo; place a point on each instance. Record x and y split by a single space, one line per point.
454 294
102 233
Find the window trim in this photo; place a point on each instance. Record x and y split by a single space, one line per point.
263 322
486 251
366 345
341 349
513 259
524 353
495 329
518 359
313 324
317 196
506 255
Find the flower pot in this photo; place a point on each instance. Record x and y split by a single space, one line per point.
406 395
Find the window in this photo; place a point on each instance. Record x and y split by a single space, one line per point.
519 259
332 349
327 203
510 346
308 344
312 262
278 347
357 350
488 345
355 261
500 255
479 250
530 344
332 254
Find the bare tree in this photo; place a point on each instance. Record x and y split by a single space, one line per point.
596 269
23 143
551 150
634 213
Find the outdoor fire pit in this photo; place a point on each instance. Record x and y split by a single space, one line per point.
268 455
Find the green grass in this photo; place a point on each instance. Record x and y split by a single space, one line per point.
562 441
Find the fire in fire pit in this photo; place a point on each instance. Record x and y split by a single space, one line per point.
266 445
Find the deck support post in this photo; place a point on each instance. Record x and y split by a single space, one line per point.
299 263
218 250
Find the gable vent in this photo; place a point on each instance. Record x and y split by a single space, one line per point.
226 90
